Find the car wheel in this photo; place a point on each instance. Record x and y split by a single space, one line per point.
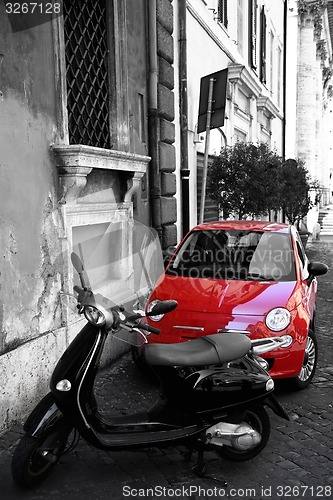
309 362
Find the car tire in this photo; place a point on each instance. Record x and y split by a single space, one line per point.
313 322
309 363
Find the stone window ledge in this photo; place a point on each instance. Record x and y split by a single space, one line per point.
239 74
75 162
267 106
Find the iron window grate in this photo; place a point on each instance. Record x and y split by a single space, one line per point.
86 53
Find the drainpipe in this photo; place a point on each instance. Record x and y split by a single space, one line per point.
285 17
184 168
153 122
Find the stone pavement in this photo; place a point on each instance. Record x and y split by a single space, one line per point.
296 463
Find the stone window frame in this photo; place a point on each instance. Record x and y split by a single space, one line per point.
241 79
263 46
262 109
118 74
222 13
253 34
71 160
267 111
101 213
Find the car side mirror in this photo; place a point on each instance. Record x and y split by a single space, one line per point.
317 268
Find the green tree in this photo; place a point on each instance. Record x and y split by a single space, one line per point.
296 187
243 179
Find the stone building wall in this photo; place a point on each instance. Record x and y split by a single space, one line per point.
166 115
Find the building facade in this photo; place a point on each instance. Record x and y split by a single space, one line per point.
309 92
278 54
246 38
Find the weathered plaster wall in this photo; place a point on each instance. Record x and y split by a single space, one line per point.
30 277
27 196
33 332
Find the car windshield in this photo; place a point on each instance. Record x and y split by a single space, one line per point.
235 254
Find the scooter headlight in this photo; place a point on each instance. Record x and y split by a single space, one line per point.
278 319
269 385
94 316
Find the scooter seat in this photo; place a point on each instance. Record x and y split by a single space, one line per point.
206 350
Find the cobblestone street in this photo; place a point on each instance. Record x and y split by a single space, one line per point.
297 462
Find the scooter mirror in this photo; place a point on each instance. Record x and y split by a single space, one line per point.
77 264
163 307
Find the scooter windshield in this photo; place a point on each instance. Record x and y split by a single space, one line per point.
121 261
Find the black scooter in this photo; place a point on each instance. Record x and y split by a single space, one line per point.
214 390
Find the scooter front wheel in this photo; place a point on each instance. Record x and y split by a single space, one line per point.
258 418
30 464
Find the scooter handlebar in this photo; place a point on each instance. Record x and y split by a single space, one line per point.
148 328
128 320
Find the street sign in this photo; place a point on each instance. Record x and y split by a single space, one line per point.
218 100
213 91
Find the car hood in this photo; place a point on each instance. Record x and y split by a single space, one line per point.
234 297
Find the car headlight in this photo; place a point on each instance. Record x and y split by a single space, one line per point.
278 319
94 315
158 317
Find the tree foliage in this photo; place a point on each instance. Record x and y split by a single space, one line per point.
249 180
295 188
243 179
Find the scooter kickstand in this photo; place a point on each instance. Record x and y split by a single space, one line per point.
200 467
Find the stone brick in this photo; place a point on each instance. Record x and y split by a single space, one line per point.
169 236
167 157
168 182
164 44
168 210
164 11
166 74
166 103
167 131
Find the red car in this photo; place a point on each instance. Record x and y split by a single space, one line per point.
244 276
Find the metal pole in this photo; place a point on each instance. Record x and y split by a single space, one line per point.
205 165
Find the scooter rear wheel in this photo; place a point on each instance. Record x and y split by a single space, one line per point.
29 466
259 420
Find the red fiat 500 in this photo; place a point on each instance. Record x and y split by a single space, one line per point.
244 276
